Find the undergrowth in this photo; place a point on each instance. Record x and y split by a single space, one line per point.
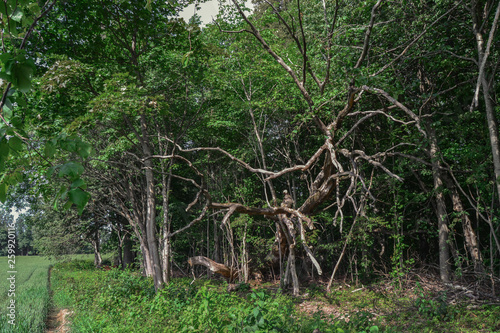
124 301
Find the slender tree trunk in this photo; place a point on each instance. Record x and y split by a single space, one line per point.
493 131
166 239
444 251
290 270
166 259
483 54
470 236
128 255
97 251
291 267
244 256
119 261
146 258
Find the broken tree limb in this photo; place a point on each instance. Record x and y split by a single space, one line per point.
221 269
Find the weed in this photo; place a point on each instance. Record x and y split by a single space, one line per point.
431 307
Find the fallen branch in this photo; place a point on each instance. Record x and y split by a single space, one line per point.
227 272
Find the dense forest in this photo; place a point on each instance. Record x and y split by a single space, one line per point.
297 141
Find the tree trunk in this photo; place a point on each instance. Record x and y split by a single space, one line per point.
493 131
119 256
166 239
128 255
444 252
166 259
152 243
244 256
147 266
97 251
290 270
483 53
470 236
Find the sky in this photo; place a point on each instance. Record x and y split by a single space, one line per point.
208 11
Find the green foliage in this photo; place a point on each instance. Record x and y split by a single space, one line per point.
431 307
117 301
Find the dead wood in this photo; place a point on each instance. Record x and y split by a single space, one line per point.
229 273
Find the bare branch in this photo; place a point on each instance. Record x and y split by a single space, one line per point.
359 122
483 56
399 105
190 224
366 44
371 160
304 167
271 211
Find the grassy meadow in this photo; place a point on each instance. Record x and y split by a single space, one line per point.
31 294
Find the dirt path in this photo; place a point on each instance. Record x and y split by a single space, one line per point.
57 322
56 319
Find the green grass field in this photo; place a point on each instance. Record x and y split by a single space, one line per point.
31 295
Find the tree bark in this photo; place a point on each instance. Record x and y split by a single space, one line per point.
97 251
444 251
166 246
470 236
128 255
483 53
152 242
217 268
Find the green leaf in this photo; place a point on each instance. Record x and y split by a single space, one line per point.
6 58
4 148
62 191
49 150
83 149
79 183
72 170
50 171
21 76
7 112
79 198
67 205
16 144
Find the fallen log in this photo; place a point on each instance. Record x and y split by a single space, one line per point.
229 273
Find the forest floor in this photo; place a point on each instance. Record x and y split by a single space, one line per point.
416 302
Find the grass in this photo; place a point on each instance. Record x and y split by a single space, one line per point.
124 301
31 295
